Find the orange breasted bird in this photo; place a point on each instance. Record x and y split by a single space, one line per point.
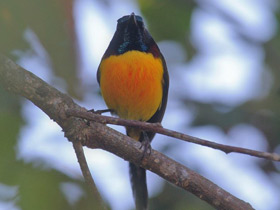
134 83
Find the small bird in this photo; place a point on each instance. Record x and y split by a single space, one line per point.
134 83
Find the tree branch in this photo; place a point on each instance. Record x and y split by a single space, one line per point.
157 128
55 104
78 147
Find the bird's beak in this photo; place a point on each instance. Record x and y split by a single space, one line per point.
132 19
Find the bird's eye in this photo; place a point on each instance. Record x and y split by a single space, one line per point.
123 19
139 19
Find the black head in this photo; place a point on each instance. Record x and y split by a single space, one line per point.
131 34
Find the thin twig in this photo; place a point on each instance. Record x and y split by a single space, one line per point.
157 128
78 147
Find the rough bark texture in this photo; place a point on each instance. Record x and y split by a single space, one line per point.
55 104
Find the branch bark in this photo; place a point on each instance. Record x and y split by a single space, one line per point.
55 104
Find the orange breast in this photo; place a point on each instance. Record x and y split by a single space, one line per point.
131 84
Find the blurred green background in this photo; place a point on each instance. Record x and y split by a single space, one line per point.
33 183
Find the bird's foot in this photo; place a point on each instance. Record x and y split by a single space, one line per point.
146 144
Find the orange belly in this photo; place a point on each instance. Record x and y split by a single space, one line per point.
131 84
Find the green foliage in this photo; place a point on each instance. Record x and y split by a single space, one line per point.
53 25
38 186
169 20
177 199
52 22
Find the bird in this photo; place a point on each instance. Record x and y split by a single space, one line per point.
134 83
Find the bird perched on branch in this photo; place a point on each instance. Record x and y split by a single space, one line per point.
134 83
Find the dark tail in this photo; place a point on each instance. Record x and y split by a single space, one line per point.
139 186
